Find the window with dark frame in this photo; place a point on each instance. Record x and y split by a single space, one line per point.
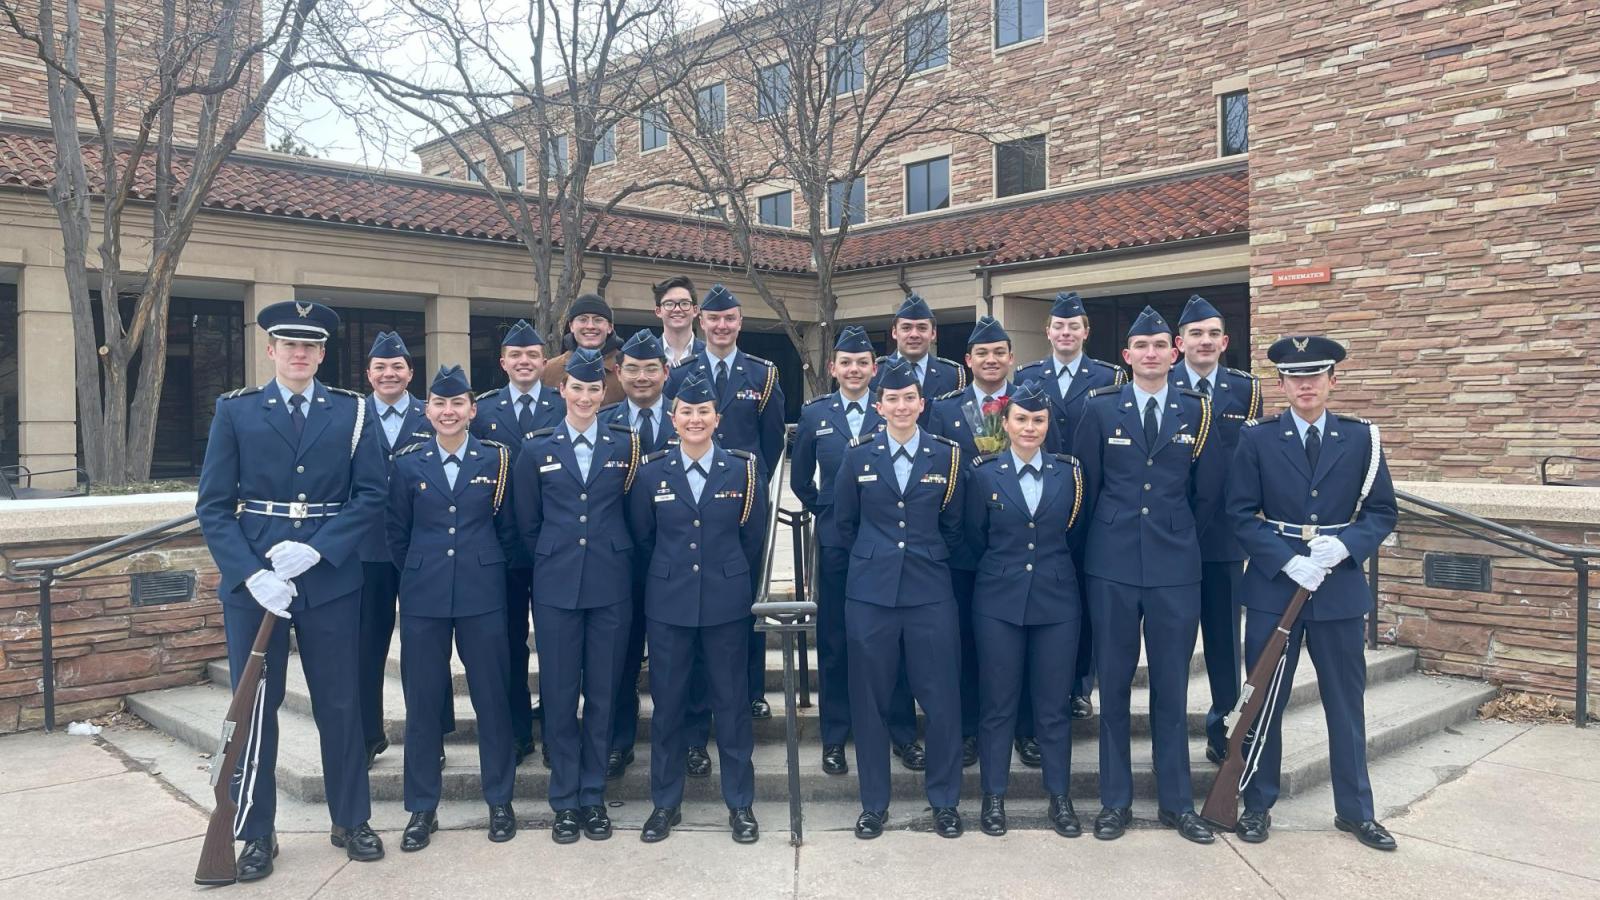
555 156
847 201
711 108
776 209
1233 109
927 41
605 149
928 185
517 167
772 96
652 129
1016 21
848 63
1019 166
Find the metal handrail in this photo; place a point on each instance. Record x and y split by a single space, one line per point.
46 572
81 481
1507 538
1544 469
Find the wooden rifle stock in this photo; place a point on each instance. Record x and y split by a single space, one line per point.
218 864
1222 803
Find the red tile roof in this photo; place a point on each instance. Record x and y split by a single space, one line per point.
1212 203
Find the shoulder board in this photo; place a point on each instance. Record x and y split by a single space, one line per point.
1261 421
952 395
882 359
495 444
416 446
1241 373
1102 363
541 432
739 454
944 440
1036 364
347 393
949 362
863 439
1349 418
618 426
818 399
1067 458
659 454
610 406
241 392
1106 389
985 458
1192 393
753 358
489 393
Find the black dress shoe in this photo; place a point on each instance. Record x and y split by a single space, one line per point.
993 817
255 859
659 825
360 844
912 756
870 824
969 752
833 762
1188 824
1082 708
565 829
1063 818
544 756
419 831
1369 832
502 822
1216 755
697 763
617 763
375 748
1253 826
1112 823
947 822
760 709
596 824
1028 752
743 823
524 750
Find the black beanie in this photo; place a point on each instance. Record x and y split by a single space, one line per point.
589 305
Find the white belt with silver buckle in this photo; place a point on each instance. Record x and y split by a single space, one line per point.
1305 532
289 509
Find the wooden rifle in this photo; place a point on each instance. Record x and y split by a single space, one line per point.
218 864
1251 716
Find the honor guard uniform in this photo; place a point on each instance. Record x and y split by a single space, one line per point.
937 376
509 415
1235 399
1022 508
450 531
697 512
1150 475
571 513
399 424
897 504
292 480
653 426
1310 499
827 426
1068 382
750 406
959 416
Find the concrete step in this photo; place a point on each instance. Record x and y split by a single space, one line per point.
1382 665
1399 711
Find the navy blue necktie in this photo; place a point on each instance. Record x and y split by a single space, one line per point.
1313 447
722 379
647 431
525 415
1151 429
297 415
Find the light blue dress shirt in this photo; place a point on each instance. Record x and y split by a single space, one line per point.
1141 399
902 465
1032 485
391 424
697 481
583 450
451 470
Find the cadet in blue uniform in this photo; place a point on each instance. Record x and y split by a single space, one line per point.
1235 399
750 416
1021 511
1310 499
1150 475
959 416
644 374
401 421
827 426
914 332
697 512
450 532
897 504
570 487
292 480
1068 375
510 415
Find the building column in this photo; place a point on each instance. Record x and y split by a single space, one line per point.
47 407
448 323
257 367
1024 318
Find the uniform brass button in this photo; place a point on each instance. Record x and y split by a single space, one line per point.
901 504
583 496
450 552
582 519
300 470
583 542
694 546
1313 517
695 567
1147 486
1030 525
1144 510
697 523
1028 567
1149 462
902 524
1030 546
451 529
901 545
452 509
298 524
300 496
1313 493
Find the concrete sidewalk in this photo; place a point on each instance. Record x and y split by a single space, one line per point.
1485 807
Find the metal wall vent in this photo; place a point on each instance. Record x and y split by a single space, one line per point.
1456 571
156 588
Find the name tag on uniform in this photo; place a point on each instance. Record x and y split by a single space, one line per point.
550 467
823 431
864 478
1119 442
662 498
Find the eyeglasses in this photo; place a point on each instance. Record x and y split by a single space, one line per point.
676 304
636 371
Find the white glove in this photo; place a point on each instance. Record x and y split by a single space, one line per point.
1327 552
291 559
271 591
1305 572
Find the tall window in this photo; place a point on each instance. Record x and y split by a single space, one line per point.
652 129
1019 166
555 156
847 62
1016 21
772 96
777 209
478 172
847 202
713 211
517 167
928 185
1234 114
927 41
605 149
711 108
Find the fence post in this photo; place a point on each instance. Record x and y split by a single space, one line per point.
48 649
